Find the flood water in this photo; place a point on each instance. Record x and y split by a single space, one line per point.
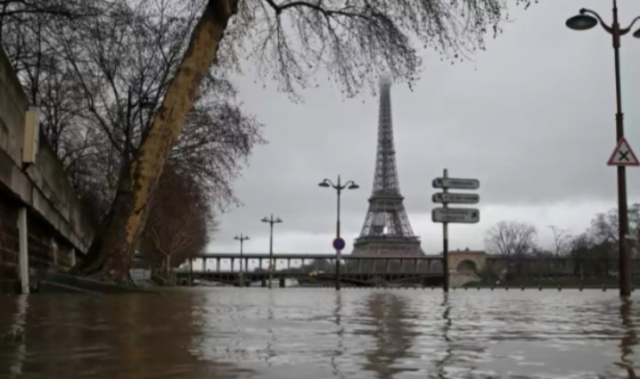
227 333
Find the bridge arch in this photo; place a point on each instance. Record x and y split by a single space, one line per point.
467 266
466 261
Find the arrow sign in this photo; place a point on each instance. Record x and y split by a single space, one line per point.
456 215
468 184
455 198
623 155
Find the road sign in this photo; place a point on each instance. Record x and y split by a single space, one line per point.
455 198
623 155
469 184
338 243
456 215
271 268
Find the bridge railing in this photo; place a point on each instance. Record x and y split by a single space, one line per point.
297 264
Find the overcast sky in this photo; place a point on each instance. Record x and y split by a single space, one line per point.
532 118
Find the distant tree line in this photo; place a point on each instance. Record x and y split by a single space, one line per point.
594 251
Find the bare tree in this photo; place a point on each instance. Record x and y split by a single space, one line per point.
561 240
70 9
177 230
95 81
510 239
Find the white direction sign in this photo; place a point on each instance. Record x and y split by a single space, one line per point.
456 198
623 155
456 215
469 184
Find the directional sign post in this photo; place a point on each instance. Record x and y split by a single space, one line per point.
445 215
456 215
456 198
452 183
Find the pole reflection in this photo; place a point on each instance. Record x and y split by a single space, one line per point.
392 333
629 339
337 319
446 327
272 336
15 339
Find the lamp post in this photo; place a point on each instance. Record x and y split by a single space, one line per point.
271 220
351 185
587 19
241 238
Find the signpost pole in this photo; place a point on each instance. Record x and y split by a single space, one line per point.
271 254
338 251
445 241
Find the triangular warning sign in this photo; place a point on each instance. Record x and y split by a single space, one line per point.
623 155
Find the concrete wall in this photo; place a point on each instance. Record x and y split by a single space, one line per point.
56 222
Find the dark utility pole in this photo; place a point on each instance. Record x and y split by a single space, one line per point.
587 19
241 238
351 185
271 220
445 240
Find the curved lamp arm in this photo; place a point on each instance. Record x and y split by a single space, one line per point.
628 29
600 20
330 183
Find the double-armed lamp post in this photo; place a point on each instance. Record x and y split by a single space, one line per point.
588 19
241 238
339 187
271 221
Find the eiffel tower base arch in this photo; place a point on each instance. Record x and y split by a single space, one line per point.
399 250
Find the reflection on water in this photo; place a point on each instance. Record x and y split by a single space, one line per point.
629 340
305 333
440 365
391 333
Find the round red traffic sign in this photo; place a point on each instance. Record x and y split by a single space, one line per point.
338 243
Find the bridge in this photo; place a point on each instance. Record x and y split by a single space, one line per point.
316 269
464 267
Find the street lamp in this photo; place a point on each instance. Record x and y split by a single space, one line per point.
270 220
587 19
351 185
241 238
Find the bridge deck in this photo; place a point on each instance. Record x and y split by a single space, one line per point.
315 256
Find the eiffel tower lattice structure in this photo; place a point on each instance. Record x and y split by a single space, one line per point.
386 230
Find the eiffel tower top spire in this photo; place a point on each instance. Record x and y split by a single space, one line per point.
385 182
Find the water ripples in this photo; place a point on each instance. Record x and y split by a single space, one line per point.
305 333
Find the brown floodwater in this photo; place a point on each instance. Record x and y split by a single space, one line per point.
229 333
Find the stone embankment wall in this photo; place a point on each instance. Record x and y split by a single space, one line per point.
39 211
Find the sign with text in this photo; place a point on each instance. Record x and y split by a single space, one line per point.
456 215
468 184
455 198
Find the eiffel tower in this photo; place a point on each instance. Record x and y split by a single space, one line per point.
386 230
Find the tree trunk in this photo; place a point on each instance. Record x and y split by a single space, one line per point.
112 251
